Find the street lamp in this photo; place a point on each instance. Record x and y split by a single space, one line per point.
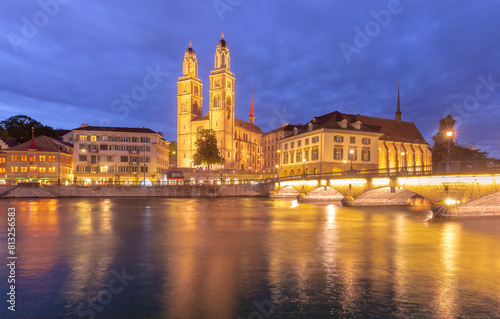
304 168
351 153
344 161
449 135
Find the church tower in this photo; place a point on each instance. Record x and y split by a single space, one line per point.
221 101
398 109
189 106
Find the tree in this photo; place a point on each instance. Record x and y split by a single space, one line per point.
457 153
207 151
19 128
172 152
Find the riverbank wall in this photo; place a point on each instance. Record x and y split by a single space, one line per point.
36 191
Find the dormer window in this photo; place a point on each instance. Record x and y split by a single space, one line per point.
310 126
343 123
313 120
357 125
295 131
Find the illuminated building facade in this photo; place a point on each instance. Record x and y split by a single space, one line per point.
41 159
239 141
270 145
336 142
119 154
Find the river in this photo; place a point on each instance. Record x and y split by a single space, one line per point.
246 258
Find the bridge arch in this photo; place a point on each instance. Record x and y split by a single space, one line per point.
322 193
287 191
391 196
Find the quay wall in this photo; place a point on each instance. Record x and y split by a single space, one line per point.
246 190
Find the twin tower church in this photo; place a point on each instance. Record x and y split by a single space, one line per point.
239 141
325 144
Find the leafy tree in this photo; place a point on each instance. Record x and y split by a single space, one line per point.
172 147
207 152
19 128
3 132
457 152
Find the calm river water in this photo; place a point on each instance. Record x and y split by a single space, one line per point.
246 258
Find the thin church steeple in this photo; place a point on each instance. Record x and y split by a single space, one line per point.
398 110
251 116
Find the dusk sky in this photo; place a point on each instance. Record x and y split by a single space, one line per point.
67 62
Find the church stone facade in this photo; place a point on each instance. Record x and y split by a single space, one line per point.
239 141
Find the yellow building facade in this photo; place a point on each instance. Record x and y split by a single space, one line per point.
239 141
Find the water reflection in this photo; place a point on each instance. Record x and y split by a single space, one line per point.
224 258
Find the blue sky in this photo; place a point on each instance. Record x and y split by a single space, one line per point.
67 62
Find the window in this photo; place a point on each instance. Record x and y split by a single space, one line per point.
135 139
314 154
52 169
24 158
134 149
42 170
306 142
285 159
133 169
286 146
366 141
338 154
133 159
123 159
33 169
13 169
145 139
52 158
125 139
82 158
299 157
13 158
354 155
82 137
93 138
292 145
365 155
32 158
338 139
93 148
104 138
353 140
306 155
291 158
315 139
114 139
124 148
24 169
103 147
41 158
299 143
144 169
123 169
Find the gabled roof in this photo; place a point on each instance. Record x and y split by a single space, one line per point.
115 129
201 118
44 144
391 130
285 127
247 126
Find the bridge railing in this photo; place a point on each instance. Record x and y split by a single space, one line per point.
381 172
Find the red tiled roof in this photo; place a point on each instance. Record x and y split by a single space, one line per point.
44 144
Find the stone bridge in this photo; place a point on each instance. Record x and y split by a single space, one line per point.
459 191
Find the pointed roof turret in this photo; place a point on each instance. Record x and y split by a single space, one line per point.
33 145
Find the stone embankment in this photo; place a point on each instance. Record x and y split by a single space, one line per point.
34 190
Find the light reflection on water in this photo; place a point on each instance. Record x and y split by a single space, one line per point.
247 257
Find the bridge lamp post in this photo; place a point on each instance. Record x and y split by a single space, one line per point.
279 161
351 154
449 135
277 170
344 161
304 168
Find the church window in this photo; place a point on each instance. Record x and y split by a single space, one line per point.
216 101
229 101
195 90
217 83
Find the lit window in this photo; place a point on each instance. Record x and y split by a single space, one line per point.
32 158
82 137
13 158
93 138
42 170
24 158
24 169
14 169
366 141
41 158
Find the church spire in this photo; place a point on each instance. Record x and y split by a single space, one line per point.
251 117
33 145
398 110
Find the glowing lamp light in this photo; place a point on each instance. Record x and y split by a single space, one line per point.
450 201
449 133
